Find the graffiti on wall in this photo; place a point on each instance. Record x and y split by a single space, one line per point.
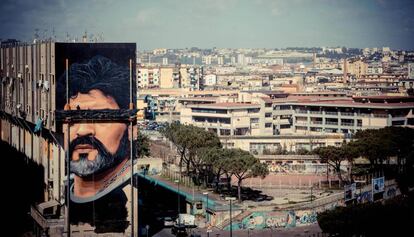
283 219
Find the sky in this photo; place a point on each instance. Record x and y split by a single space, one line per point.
216 23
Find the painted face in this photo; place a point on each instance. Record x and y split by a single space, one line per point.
96 147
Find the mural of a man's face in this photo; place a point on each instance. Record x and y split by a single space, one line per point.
99 146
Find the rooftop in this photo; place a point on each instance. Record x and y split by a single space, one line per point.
227 105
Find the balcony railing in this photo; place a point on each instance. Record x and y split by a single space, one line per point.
331 113
316 112
331 123
380 115
347 114
316 122
347 124
301 111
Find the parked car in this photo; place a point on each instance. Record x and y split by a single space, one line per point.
168 222
260 198
179 230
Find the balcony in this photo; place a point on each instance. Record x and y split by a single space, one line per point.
316 112
347 114
347 124
331 123
316 122
380 115
331 113
302 111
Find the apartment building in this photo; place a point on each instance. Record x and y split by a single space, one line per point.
148 77
168 77
346 116
256 121
31 91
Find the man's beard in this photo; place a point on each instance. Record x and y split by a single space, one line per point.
103 161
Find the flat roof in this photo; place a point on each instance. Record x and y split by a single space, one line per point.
209 98
383 97
226 105
409 105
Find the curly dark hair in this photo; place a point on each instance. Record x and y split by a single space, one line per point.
98 73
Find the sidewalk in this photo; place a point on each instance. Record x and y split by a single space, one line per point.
306 231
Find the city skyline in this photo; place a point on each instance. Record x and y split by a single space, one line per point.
221 24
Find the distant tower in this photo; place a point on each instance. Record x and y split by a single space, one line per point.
314 59
85 37
345 71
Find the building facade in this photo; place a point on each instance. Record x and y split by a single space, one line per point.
297 121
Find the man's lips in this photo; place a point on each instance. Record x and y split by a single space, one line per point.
84 148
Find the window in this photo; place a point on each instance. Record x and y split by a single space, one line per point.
256 110
225 132
398 122
268 125
254 120
284 126
268 115
213 111
285 117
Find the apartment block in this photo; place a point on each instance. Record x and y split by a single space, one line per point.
31 76
304 121
168 77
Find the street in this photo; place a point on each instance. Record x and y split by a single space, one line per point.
310 230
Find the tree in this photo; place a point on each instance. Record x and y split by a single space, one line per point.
350 152
216 160
370 219
188 139
379 145
142 146
333 156
374 145
244 165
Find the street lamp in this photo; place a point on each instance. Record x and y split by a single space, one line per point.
147 228
231 224
207 219
178 198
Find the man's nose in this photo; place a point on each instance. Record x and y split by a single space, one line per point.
85 129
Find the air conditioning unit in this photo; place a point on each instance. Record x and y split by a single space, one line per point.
49 209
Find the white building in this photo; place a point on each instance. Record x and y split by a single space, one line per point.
305 121
220 60
164 61
210 80
241 59
411 70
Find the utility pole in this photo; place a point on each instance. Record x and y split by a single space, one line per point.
67 153
178 199
207 221
231 224
131 106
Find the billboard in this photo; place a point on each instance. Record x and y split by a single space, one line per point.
99 77
378 185
350 192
